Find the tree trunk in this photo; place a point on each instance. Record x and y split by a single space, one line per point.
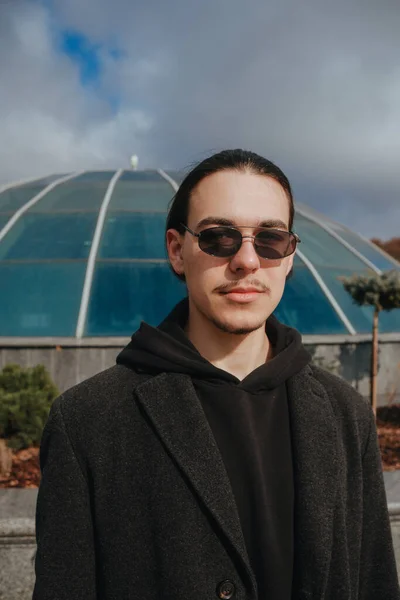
374 361
5 458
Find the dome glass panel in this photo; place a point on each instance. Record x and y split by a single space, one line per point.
305 306
359 316
13 198
72 196
141 176
366 249
141 196
389 320
322 249
94 176
4 219
133 235
43 299
51 178
126 293
49 236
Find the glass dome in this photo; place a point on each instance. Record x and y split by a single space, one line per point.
82 255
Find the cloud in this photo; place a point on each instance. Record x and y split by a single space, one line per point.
313 86
49 121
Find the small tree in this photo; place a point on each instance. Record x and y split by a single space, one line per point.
383 293
26 395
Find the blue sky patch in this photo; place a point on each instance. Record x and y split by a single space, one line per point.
87 55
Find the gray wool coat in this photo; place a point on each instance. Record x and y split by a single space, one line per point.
135 502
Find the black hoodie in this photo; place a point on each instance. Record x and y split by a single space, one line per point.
250 423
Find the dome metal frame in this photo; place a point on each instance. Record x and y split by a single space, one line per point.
79 337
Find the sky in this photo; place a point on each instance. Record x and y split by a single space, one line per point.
312 85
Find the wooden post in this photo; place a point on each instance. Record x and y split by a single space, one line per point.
374 361
5 458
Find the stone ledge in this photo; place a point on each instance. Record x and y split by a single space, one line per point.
17 558
17 532
17 527
394 511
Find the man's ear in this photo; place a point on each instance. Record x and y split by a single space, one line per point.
174 241
289 272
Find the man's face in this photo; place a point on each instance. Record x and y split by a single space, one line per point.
244 199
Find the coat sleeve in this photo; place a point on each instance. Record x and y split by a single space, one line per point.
65 557
378 576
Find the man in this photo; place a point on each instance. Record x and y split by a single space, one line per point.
214 460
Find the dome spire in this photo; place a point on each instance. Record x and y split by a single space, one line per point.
134 162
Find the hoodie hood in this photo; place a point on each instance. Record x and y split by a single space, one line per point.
166 348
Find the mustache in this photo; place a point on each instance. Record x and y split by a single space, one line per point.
227 287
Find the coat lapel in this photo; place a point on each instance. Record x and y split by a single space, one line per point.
172 405
314 444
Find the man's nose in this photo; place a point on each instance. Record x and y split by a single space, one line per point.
246 259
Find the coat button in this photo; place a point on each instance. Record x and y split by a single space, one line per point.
226 590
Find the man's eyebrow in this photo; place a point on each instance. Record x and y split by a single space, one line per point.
269 223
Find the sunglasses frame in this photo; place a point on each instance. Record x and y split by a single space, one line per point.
253 237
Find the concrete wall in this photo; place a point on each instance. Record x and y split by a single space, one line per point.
352 363
71 361
67 366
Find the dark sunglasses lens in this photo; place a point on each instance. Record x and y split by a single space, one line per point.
275 244
220 241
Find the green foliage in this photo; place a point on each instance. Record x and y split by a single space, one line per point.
380 291
26 395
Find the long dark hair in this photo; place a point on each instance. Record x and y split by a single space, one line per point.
237 160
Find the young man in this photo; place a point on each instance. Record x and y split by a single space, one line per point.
214 460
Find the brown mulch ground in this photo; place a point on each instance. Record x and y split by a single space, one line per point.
25 471
389 443
388 425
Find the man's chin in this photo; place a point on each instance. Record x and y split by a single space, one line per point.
237 325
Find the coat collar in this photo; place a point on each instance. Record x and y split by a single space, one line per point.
171 403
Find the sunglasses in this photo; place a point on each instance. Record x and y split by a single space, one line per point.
223 241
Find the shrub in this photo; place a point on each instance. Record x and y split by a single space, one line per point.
26 395
382 292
